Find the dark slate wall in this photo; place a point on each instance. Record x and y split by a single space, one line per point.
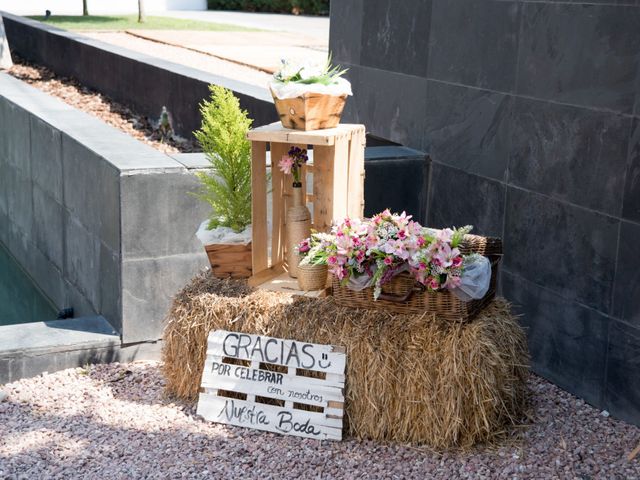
530 112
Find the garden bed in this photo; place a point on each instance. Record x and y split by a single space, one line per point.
101 106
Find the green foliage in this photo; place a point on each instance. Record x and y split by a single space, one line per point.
223 138
307 7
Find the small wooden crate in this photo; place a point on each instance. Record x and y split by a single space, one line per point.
311 111
338 186
230 259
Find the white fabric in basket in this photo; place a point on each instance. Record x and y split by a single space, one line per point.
292 89
476 278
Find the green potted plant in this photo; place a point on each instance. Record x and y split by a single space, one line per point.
226 187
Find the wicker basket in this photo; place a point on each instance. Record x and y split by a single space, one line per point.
487 246
312 277
403 294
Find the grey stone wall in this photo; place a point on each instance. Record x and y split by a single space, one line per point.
102 223
530 112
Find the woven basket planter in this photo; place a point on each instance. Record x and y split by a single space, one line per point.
311 111
403 294
312 277
230 259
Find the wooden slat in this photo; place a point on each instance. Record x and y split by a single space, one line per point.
355 205
278 204
285 284
265 275
268 417
325 357
322 182
340 180
275 132
237 378
259 206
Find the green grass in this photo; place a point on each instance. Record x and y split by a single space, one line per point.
125 22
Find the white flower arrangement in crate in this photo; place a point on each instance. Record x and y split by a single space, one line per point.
309 95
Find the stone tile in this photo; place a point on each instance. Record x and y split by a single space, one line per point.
48 226
345 31
398 118
148 287
564 248
192 161
16 149
622 388
154 203
91 191
4 228
626 299
5 186
467 128
48 277
457 198
46 157
350 113
395 36
19 199
567 341
110 286
631 204
570 153
75 299
396 178
580 54
475 43
82 260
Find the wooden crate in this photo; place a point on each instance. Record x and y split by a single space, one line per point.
311 111
337 190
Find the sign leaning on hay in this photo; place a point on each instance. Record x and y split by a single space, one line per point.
281 386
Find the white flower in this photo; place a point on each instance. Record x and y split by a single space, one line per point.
311 69
287 70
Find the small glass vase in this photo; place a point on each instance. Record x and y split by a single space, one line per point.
298 227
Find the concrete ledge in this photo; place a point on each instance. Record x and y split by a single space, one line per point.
57 336
31 349
102 223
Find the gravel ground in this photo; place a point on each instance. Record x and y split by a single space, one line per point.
115 114
112 421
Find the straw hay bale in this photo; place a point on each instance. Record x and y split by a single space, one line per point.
410 378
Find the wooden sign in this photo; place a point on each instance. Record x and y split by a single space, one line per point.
263 383
5 55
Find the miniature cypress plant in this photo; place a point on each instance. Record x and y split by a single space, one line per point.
223 138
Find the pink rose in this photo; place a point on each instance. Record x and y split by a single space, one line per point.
332 260
457 261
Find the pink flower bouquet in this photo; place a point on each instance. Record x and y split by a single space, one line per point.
377 249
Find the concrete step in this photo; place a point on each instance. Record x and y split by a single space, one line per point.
29 349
